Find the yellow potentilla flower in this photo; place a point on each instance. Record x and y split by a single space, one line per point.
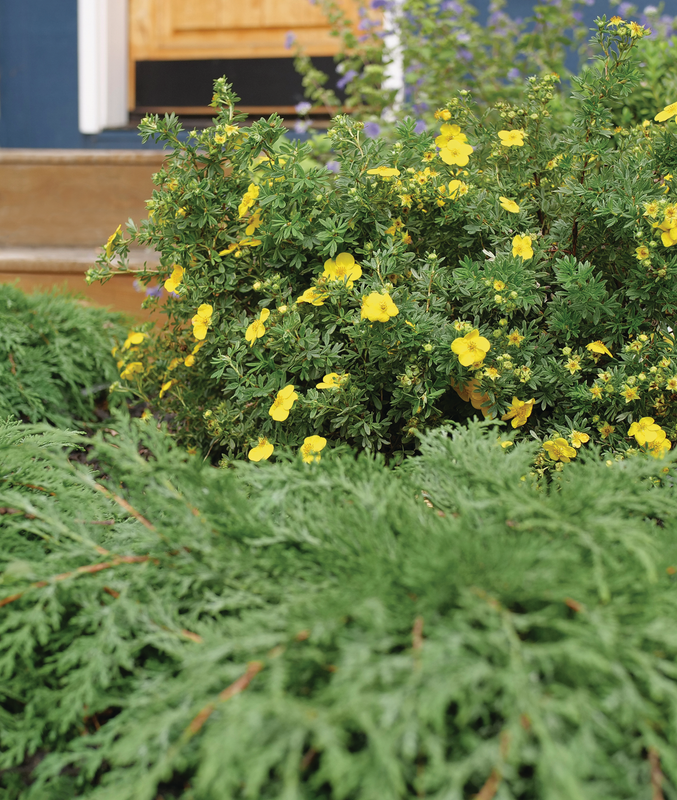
559 450
456 152
659 447
397 226
384 172
248 199
332 380
262 451
573 364
471 348
202 320
378 307
190 359
636 30
257 329
174 363
457 189
254 222
492 373
515 338
443 113
666 113
578 438
176 277
596 392
498 286
651 209
509 205
283 403
646 430
131 369
630 393
133 337
111 241
519 411
606 430
615 20
671 384
166 387
598 347
511 138
521 247
310 449
642 252
313 296
344 269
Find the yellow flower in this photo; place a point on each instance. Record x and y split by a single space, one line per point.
175 279
519 411
131 369
202 320
646 431
282 404
521 246
166 387
448 132
596 392
133 337
471 348
559 450
111 241
630 393
651 209
313 296
659 447
642 252
173 364
443 113
498 286
573 364
515 338
457 189
344 269
636 30
190 359
509 205
511 138
257 329
378 307
384 172
492 373
578 438
332 380
248 199
254 222
310 449
393 229
669 237
616 21
671 384
606 430
666 113
456 152
262 451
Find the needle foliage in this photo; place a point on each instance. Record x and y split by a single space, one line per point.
334 630
55 360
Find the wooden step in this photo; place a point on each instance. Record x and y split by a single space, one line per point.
44 268
72 198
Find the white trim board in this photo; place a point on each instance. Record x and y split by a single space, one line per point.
102 64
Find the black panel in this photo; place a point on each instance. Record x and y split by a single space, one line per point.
258 81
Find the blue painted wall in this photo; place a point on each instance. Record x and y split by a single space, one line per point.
39 77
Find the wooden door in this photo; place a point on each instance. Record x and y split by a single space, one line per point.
199 30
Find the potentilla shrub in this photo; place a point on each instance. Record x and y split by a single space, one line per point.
498 269
55 359
335 629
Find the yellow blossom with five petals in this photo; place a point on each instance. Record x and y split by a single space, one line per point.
559 450
378 307
257 329
514 138
343 269
262 451
471 348
519 411
310 449
509 205
176 277
202 320
283 403
521 247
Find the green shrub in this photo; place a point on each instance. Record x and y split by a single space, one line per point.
333 630
55 360
556 248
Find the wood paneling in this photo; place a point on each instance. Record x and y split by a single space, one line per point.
172 30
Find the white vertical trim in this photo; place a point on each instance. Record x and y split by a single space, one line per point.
394 71
102 64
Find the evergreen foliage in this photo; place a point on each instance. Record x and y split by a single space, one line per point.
334 630
55 359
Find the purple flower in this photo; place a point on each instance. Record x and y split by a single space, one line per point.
417 108
451 5
333 166
385 4
577 15
420 127
463 37
154 291
625 8
346 79
513 74
289 40
301 126
466 55
138 286
589 2
372 129
303 107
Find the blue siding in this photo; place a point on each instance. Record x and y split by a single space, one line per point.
39 78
